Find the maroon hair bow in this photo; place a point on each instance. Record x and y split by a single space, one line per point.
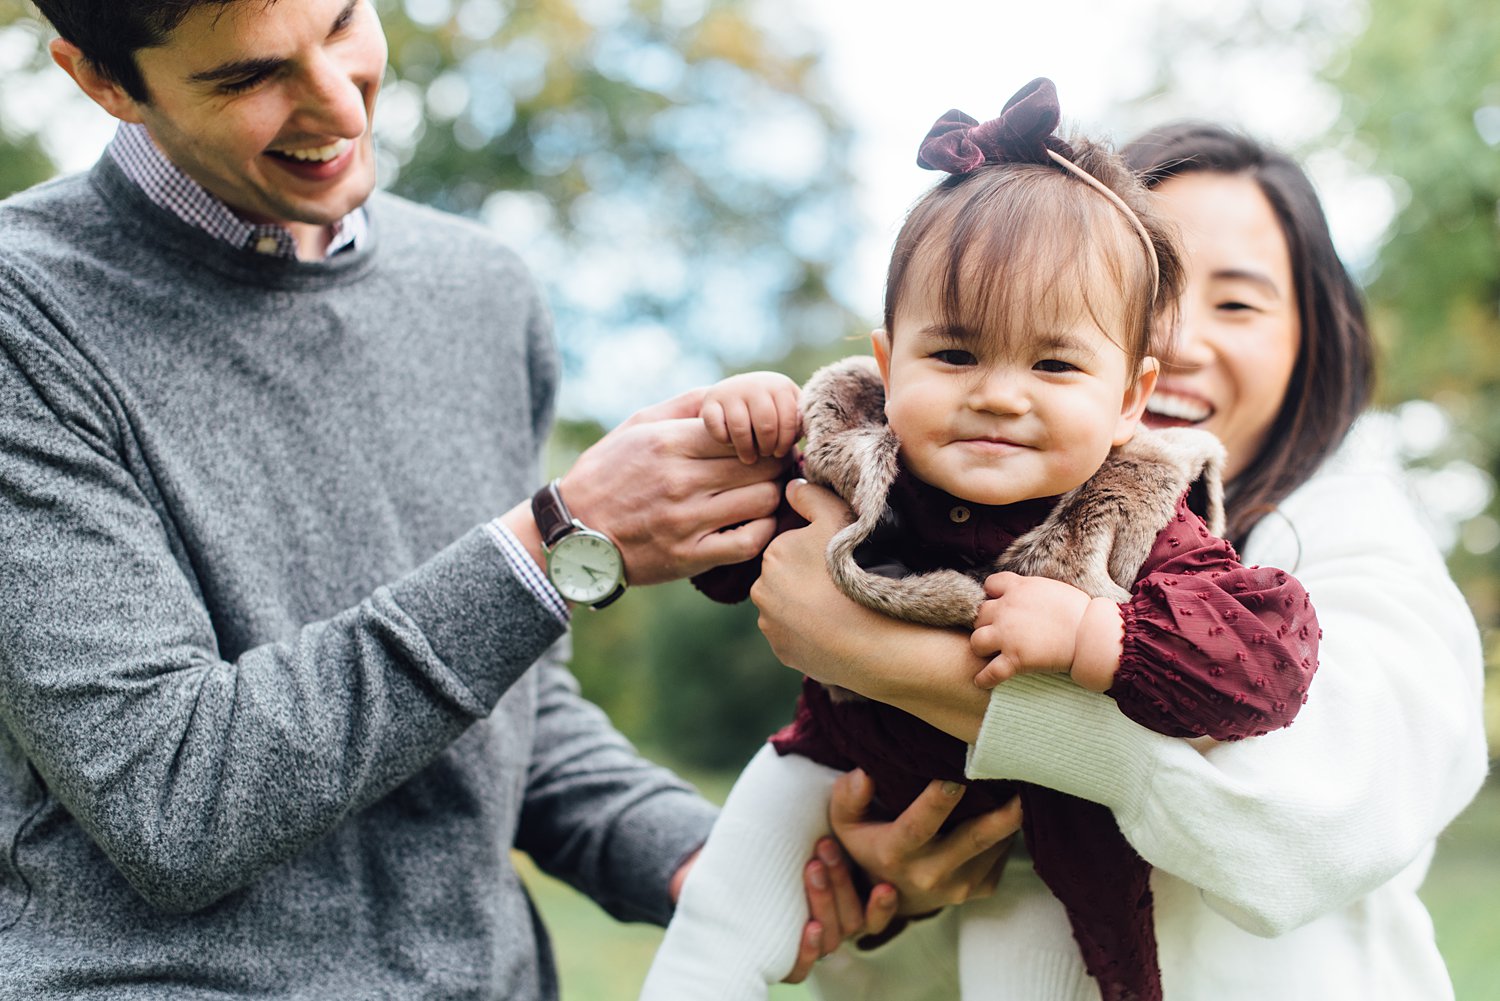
1022 134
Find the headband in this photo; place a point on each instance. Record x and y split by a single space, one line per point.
1023 133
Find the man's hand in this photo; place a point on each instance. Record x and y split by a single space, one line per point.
675 501
928 871
834 908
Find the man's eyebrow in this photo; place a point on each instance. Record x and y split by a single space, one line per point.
243 68
238 69
1252 276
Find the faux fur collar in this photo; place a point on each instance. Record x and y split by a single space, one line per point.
1095 539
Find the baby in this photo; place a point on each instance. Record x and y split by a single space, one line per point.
997 430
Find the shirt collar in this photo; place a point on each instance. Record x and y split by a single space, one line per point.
168 187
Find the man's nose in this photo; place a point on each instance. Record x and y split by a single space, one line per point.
333 99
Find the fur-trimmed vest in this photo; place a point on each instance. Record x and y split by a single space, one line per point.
1096 538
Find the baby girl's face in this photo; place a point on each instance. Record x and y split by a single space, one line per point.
996 419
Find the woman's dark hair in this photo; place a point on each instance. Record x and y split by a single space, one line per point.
110 32
1007 242
1334 373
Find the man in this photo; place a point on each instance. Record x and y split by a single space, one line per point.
281 675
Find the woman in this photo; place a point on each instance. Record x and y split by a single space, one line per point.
1287 863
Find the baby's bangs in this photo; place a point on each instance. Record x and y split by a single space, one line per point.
1030 256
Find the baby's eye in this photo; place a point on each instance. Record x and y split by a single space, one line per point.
955 357
1055 365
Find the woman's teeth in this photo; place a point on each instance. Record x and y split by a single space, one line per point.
315 154
1181 408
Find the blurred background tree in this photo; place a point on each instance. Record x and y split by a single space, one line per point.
1421 89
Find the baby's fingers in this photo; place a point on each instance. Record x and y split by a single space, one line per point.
741 429
1002 668
716 423
985 640
789 420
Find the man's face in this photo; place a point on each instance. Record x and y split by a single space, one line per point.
268 105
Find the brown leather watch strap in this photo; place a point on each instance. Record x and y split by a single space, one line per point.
553 519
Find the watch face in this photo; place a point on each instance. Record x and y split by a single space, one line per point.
585 567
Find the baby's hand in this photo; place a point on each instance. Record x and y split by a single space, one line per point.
755 412
1028 625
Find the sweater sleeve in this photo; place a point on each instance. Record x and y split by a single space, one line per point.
1213 647
600 816
1278 830
195 773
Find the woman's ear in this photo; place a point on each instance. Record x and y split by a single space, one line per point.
1133 404
103 91
880 343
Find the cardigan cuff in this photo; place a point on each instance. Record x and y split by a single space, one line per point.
1048 731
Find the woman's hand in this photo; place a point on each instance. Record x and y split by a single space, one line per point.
814 628
835 913
834 908
928 871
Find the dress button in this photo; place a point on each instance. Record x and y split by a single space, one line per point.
267 245
959 514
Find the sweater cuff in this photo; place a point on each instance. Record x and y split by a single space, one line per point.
650 843
481 620
1046 730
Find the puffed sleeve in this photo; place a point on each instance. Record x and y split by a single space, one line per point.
1213 647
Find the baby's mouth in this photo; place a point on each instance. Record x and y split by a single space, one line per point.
1168 409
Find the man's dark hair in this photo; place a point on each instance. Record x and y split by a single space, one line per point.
109 32
1335 369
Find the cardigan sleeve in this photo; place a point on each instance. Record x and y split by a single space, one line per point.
1213 647
1279 830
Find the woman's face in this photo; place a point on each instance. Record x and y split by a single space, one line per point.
1240 333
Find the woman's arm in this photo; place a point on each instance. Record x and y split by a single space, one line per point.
815 628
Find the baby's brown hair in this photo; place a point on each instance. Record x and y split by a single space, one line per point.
1013 235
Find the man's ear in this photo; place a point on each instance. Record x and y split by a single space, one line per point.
104 92
1133 405
880 343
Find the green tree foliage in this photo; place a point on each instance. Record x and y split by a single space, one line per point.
1422 103
667 167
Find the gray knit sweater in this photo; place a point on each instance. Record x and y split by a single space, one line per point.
273 710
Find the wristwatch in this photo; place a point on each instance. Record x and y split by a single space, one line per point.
584 565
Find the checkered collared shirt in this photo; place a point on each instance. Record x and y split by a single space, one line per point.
168 187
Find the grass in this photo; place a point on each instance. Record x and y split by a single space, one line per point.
601 960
